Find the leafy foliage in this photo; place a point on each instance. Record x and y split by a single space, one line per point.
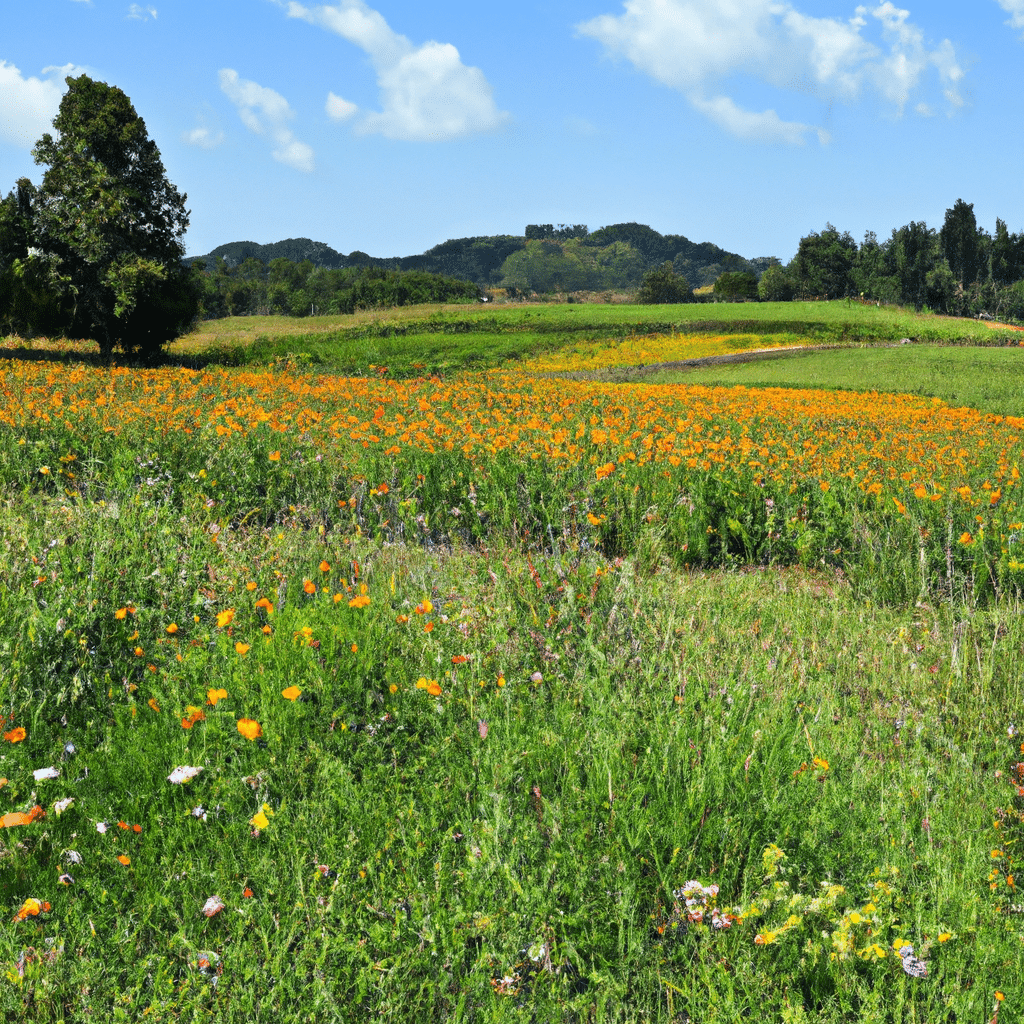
107 225
664 285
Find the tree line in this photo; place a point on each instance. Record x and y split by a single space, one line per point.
304 289
959 269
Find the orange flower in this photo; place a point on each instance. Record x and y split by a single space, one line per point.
325 566
424 608
247 893
153 704
21 818
31 908
136 828
265 604
434 688
212 696
359 602
274 456
124 860
15 735
123 824
120 613
606 470
241 648
292 693
309 586
402 619
249 729
172 628
459 659
225 618
194 715
428 628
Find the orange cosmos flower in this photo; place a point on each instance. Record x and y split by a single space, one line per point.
434 688
265 605
172 628
136 828
14 818
250 729
428 628
120 613
402 619
194 715
153 704
325 566
225 618
309 586
292 693
31 908
274 456
15 735
359 602
212 696
241 648
123 824
606 470
124 860
247 893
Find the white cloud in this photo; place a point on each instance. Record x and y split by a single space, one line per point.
339 109
426 92
30 104
140 13
1015 8
695 45
203 137
266 112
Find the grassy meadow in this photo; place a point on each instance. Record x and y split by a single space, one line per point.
371 669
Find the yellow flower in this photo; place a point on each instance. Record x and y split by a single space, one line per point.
172 628
259 820
275 456
241 648
359 602
292 693
212 696
225 618
945 936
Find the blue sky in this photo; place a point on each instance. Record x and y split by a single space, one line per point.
389 125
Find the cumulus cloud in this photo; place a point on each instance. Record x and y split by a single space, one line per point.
267 112
203 136
696 45
1015 8
140 13
339 109
426 92
30 104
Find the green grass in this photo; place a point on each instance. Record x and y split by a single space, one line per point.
448 339
991 379
608 729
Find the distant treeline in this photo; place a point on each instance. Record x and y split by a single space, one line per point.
545 259
959 269
304 289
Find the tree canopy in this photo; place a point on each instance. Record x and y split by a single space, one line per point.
105 229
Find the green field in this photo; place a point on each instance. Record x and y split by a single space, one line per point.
991 379
481 742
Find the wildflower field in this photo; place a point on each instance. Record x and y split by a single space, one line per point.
506 696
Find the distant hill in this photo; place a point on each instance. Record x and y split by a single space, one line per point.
482 258
294 249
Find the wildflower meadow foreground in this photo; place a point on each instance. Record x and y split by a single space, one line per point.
506 698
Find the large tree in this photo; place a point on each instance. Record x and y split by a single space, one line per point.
109 224
960 243
823 262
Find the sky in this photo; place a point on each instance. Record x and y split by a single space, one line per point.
389 126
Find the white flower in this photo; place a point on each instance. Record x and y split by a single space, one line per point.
41 774
183 774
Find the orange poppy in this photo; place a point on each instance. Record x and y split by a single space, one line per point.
124 860
225 617
212 696
15 735
250 729
309 587
292 693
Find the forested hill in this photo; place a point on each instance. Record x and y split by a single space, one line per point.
545 257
